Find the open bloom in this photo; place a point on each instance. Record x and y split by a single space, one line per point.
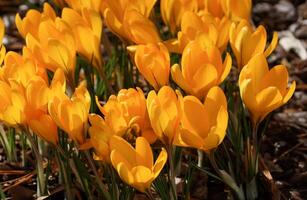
126 113
172 11
30 23
153 62
87 28
37 96
71 114
12 105
139 29
245 42
237 9
136 166
201 68
203 125
193 25
19 69
263 90
114 14
214 7
54 47
164 113
100 134
78 5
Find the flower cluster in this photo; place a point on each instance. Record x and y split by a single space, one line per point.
44 91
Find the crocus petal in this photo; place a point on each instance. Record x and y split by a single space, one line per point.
272 45
124 148
144 154
160 162
124 173
227 67
195 117
191 139
179 79
290 92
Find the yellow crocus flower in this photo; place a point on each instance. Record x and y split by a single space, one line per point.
12 105
37 96
139 29
136 166
71 114
79 5
32 20
194 26
100 134
237 9
201 68
203 125
54 47
245 42
127 113
87 28
114 14
262 89
19 70
214 7
153 62
172 11
164 113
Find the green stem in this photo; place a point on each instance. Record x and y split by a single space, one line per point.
113 182
149 194
40 167
73 167
227 179
6 144
200 154
171 172
65 176
255 148
97 176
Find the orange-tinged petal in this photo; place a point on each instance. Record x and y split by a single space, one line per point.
211 142
124 172
215 99
272 45
268 98
276 77
253 44
143 177
123 148
256 68
160 162
45 127
113 23
144 153
2 30
139 29
289 93
227 67
179 79
195 117
191 139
